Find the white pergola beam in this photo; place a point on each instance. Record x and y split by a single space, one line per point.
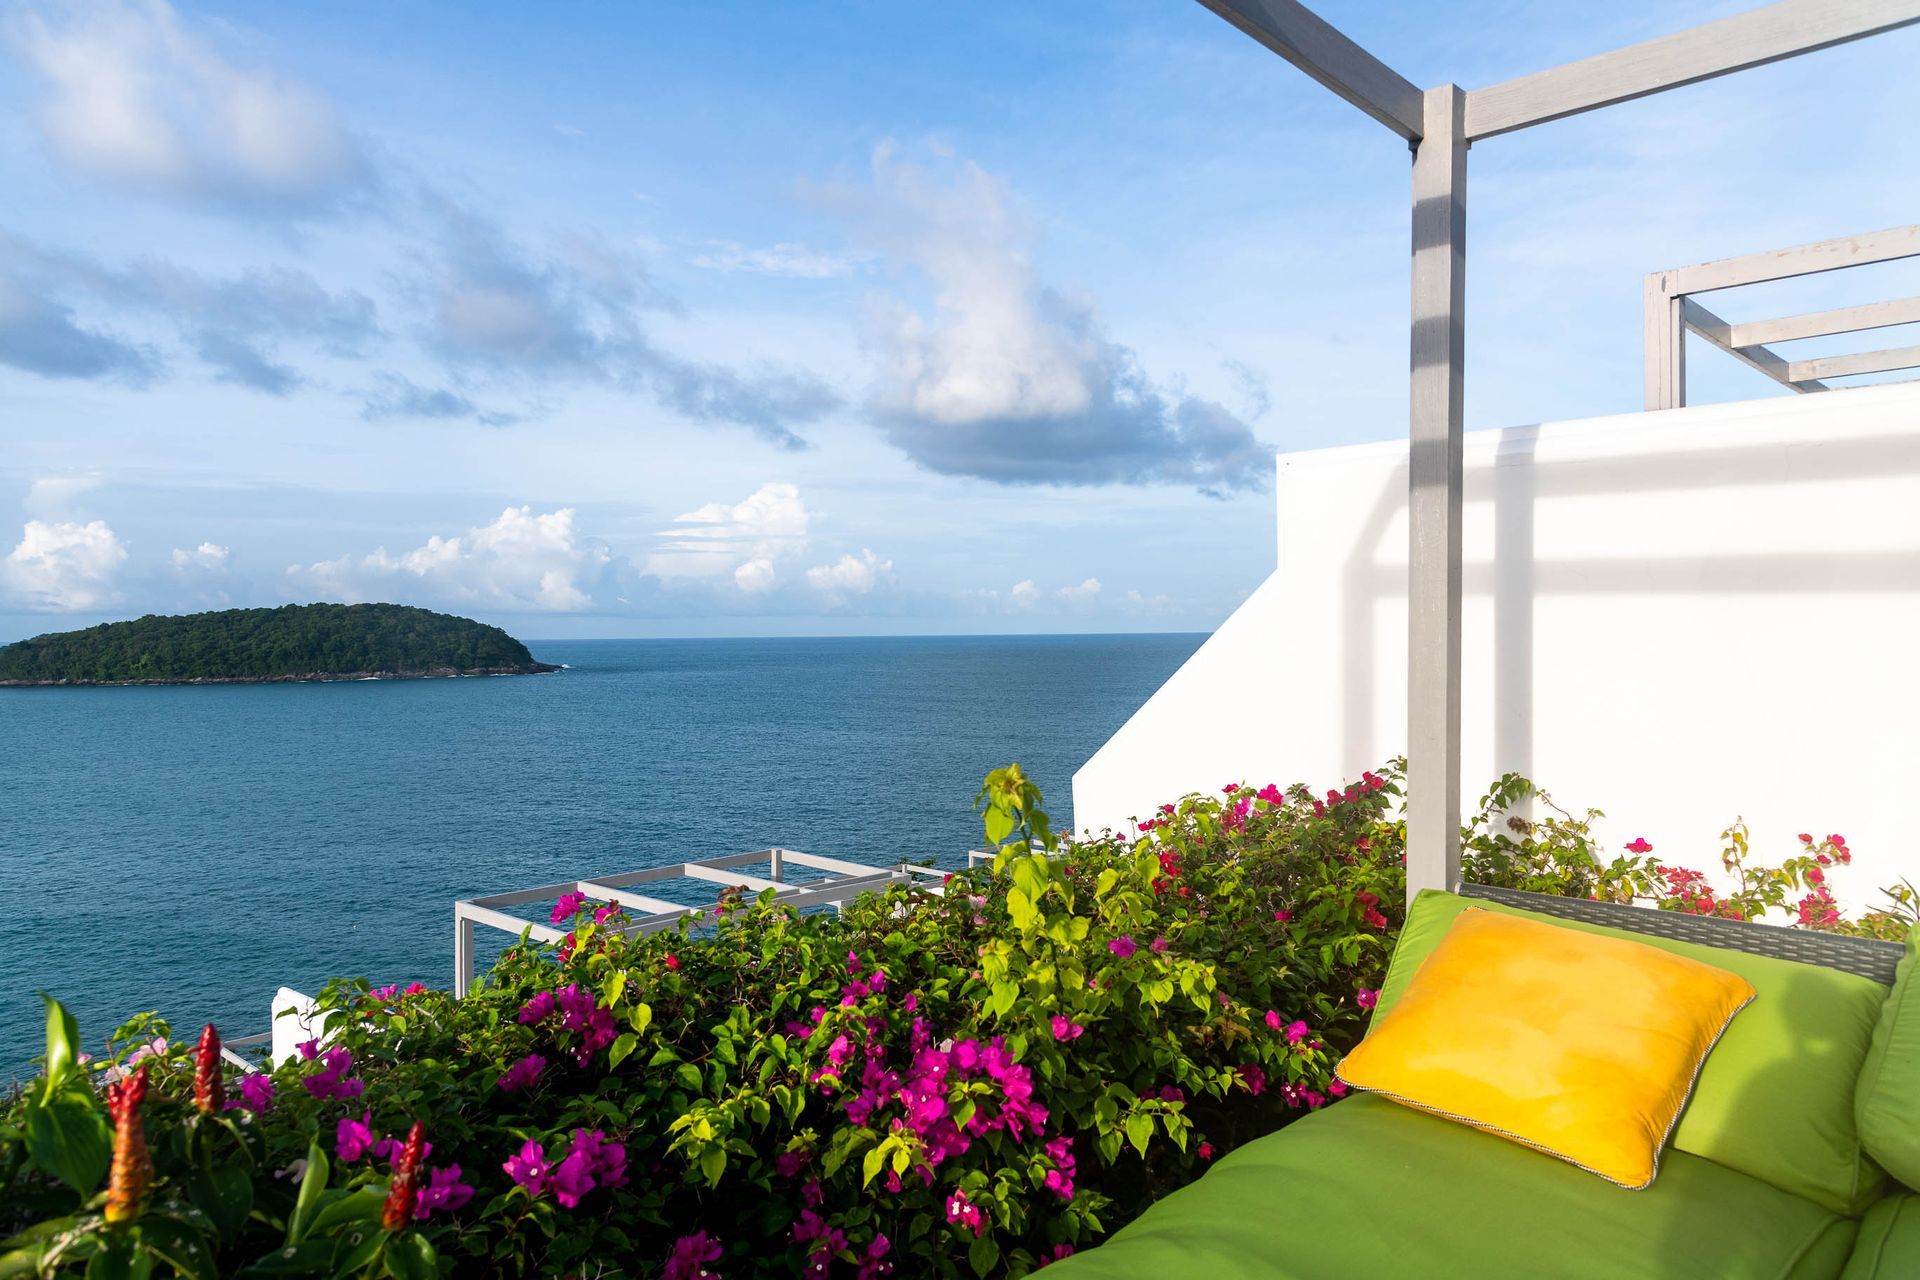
1751 39
1759 358
1800 260
1434 495
1315 46
1864 362
1819 324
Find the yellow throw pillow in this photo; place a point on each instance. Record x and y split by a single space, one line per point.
1580 1046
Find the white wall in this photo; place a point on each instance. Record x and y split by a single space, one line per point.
1680 617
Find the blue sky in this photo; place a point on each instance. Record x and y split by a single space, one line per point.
829 318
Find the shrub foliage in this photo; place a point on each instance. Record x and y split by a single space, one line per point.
974 1081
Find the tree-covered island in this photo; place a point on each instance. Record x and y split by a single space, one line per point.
293 642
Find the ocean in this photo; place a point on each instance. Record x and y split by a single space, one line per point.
191 849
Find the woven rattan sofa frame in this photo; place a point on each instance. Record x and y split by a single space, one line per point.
1868 957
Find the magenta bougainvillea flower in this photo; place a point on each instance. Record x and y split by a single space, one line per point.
352 1138
1063 1029
690 1257
523 1074
567 908
537 1009
444 1192
331 1080
963 1213
1122 946
1639 844
529 1168
1366 997
256 1093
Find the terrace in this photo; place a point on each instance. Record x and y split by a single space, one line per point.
1112 979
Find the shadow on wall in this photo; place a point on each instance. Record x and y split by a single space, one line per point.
1515 482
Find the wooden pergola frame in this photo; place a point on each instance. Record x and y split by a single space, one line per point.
1439 124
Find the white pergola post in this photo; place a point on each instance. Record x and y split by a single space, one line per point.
1439 124
1434 480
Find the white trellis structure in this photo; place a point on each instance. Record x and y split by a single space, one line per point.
1439 124
838 881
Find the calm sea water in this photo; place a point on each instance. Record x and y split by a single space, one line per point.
190 849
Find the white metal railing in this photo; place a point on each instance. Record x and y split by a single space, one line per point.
1672 313
842 881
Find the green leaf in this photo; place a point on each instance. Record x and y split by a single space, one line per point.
640 1017
713 1163
68 1136
689 1077
1140 1131
356 1249
1020 907
312 1183
120 1258
174 1243
311 1258
225 1194
355 1206
984 1256
623 1045
999 825
63 1034
872 1164
410 1256
1003 998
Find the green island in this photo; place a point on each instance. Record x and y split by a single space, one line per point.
292 642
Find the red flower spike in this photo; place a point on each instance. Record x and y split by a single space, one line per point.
406 1181
132 1173
209 1082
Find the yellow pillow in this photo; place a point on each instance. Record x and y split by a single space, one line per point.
1580 1046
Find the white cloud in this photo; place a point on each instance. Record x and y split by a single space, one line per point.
206 557
522 561
755 576
1087 592
721 538
1008 379
136 98
1154 606
51 496
64 566
1024 595
784 259
849 575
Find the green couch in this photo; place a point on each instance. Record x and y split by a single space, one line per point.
1768 1174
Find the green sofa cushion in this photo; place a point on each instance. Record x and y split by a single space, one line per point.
1888 1247
1887 1106
1776 1098
1366 1188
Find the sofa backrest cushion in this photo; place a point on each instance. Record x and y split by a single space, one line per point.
1887 1107
1776 1098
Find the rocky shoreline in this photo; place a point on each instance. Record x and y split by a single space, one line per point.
426 673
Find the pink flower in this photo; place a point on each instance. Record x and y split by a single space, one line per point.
444 1192
415 989
788 1164
537 1009
1338 1087
529 1167
873 1263
1122 946
1254 1079
330 1081
1806 838
1366 997
309 1049
690 1257
352 1138
1374 919
1272 795
568 907
384 994
1066 1030
1296 1032
603 914
1230 788
1639 844
523 1074
673 962
1204 1151
256 1092
1158 946
1283 916
1059 1179
1273 1020
963 1213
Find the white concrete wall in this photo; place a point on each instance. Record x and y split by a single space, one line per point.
1681 617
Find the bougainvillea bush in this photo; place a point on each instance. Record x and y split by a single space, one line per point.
974 1081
